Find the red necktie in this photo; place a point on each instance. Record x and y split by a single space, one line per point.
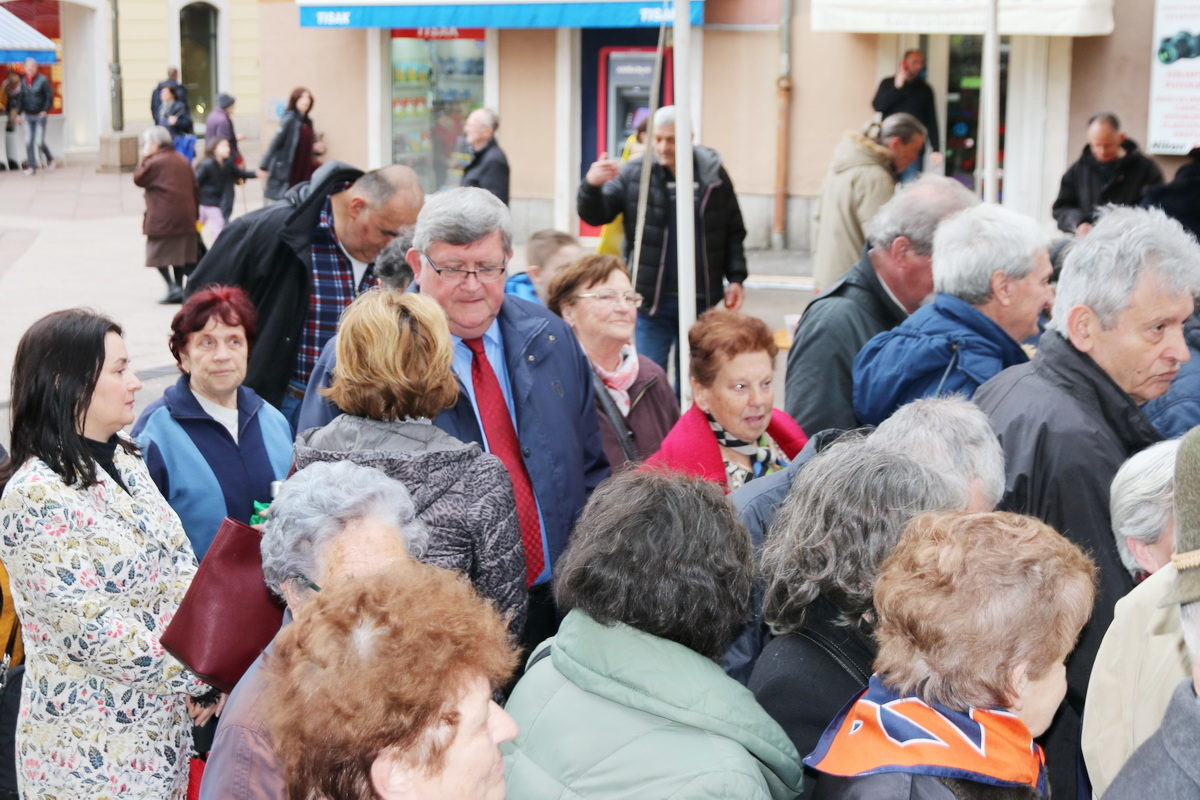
502 441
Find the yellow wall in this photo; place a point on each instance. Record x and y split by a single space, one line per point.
527 111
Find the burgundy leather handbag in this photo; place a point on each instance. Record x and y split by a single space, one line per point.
228 615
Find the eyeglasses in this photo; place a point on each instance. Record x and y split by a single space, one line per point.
611 298
483 272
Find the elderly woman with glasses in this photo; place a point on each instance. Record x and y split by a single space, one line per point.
733 433
635 405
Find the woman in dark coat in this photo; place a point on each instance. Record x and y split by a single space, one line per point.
290 157
173 113
172 208
975 615
393 376
635 404
842 517
217 175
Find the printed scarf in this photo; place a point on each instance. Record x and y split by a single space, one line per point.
619 380
880 732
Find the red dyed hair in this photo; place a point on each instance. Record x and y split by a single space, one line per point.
720 335
227 303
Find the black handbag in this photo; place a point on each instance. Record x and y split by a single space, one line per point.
11 679
615 418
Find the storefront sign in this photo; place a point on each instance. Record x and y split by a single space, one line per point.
1021 17
1175 78
439 33
426 14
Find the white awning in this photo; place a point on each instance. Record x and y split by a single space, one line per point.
1020 17
19 41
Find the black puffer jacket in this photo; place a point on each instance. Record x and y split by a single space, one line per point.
268 253
462 494
904 786
488 170
719 227
1083 189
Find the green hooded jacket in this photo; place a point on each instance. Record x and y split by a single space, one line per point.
617 713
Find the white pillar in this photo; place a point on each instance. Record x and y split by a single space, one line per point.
685 202
989 127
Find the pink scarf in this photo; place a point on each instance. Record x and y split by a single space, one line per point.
619 380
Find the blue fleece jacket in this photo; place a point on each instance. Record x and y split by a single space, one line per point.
946 347
197 466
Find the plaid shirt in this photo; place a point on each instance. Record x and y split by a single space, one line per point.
332 290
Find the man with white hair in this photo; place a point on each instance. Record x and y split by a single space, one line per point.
488 168
1069 419
1167 764
331 521
992 273
610 189
1142 657
889 282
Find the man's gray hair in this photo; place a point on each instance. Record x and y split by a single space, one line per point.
969 247
842 517
462 216
379 185
916 210
664 116
1107 117
157 134
490 118
1141 498
953 437
1189 619
391 267
317 504
1102 269
902 126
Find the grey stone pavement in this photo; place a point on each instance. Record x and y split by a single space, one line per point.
72 237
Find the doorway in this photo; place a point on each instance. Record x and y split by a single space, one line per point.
198 58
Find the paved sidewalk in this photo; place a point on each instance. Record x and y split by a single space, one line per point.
72 237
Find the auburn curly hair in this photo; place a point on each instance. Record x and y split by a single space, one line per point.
378 664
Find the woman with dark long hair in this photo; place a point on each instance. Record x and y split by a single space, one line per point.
99 564
290 158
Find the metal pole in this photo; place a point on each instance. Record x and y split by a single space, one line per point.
685 202
782 133
647 155
990 117
114 69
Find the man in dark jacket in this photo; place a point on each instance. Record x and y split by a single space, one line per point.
1178 198
172 81
1111 169
610 189
35 101
488 168
992 274
907 92
302 261
890 282
525 389
1071 417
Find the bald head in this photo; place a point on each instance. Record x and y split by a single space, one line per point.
378 207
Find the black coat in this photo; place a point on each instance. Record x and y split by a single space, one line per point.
804 679
268 253
156 97
819 387
1083 189
217 182
37 98
1180 198
904 786
183 120
1066 428
915 98
488 170
719 227
281 154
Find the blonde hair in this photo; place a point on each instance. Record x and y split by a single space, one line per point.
393 358
965 598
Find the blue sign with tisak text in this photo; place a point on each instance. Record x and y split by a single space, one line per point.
496 14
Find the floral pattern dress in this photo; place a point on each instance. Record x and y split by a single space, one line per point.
97 574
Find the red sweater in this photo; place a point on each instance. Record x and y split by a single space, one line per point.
691 447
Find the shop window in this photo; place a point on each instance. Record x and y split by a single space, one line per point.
437 79
198 57
963 107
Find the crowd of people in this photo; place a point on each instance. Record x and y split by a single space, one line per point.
962 561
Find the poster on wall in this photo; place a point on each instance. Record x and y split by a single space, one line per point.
1175 78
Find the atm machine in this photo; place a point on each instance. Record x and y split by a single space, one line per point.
624 80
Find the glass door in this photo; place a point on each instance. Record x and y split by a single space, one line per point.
962 107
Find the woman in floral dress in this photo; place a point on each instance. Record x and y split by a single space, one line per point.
99 563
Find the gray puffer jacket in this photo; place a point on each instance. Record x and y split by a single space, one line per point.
462 494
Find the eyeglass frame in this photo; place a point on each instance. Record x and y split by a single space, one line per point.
466 273
635 300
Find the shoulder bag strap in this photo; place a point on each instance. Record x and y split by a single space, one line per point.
620 427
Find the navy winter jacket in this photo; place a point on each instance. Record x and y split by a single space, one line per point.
946 347
1178 411
200 470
